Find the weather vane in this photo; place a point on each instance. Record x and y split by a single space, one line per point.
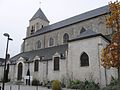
40 3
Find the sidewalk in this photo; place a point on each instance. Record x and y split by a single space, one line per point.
24 87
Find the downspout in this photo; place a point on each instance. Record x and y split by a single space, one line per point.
67 76
47 69
99 44
106 76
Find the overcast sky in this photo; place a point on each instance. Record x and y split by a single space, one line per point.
15 16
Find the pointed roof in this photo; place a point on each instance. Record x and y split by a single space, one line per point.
39 14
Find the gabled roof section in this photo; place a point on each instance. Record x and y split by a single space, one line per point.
89 34
39 14
46 52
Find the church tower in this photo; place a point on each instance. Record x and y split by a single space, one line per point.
38 21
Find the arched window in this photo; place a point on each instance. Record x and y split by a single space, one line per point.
65 38
36 65
84 59
20 70
82 30
56 63
32 30
38 44
51 42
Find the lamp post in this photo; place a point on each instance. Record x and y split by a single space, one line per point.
8 38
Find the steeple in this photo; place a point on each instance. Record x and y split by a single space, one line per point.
39 14
38 21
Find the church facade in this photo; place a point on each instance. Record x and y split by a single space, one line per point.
69 49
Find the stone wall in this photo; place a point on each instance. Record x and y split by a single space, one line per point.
96 24
94 71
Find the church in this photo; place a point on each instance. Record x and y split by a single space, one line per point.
66 50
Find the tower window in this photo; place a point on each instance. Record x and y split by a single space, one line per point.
84 60
32 30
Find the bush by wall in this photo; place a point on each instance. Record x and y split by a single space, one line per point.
113 84
35 82
56 85
86 85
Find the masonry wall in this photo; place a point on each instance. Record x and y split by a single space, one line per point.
96 24
94 71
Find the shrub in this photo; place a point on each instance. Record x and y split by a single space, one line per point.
35 82
62 85
90 85
113 84
75 84
87 85
56 85
113 81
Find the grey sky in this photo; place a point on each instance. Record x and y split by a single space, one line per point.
15 16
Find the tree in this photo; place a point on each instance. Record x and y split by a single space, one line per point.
113 20
111 53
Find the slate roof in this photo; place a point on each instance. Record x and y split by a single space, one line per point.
88 34
46 52
39 14
79 18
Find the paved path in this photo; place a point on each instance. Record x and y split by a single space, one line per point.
23 87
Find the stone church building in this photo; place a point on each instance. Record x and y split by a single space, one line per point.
69 49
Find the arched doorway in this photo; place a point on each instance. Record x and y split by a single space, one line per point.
20 70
